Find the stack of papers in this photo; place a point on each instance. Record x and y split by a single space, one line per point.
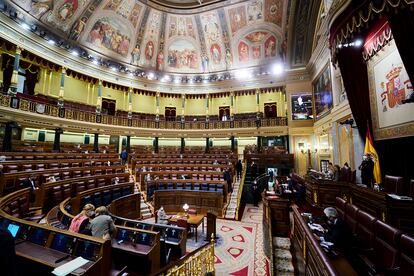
398 197
315 226
68 267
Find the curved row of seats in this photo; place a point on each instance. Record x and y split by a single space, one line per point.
158 185
33 165
382 248
52 155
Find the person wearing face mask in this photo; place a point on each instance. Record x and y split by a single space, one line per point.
337 231
81 221
367 170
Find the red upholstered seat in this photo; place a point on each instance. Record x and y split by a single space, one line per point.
407 255
393 184
364 231
385 254
340 206
350 216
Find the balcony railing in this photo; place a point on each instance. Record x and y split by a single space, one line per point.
91 117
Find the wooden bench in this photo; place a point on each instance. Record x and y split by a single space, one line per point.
187 185
10 182
14 166
52 193
202 201
39 247
101 196
53 155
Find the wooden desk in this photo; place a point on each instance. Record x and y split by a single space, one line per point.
47 256
192 220
311 258
276 212
202 201
321 193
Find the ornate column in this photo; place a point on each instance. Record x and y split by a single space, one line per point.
233 143
157 110
128 144
182 150
96 142
207 110
99 102
258 119
62 88
231 109
56 141
259 143
156 144
207 145
8 134
130 107
14 78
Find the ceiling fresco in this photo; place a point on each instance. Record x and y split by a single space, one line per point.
232 36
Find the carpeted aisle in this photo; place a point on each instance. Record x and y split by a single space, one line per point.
239 249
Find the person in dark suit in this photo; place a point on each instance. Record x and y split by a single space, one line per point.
239 169
338 231
253 169
227 178
7 253
255 190
367 170
30 183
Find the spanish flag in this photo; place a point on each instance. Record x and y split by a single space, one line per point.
369 149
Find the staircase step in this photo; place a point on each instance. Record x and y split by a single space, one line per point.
281 243
283 254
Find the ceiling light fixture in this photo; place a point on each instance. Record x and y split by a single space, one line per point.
242 74
51 42
75 53
277 69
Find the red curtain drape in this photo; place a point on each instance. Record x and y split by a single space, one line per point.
402 27
355 76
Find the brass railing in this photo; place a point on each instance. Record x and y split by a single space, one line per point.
197 263
85 116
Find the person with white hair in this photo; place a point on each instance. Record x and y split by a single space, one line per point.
162 217
337 231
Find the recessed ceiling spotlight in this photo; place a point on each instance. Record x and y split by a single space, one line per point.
25 26
277 69
51 42
358 43
75 53
243 74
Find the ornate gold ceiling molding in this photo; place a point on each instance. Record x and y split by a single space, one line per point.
12 32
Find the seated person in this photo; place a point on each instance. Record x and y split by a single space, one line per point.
80 223
102 226
162 216
337 231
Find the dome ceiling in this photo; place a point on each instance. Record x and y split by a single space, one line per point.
167 36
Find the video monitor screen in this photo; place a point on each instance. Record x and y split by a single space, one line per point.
62 243
39 236
13 228
122 234
87 250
